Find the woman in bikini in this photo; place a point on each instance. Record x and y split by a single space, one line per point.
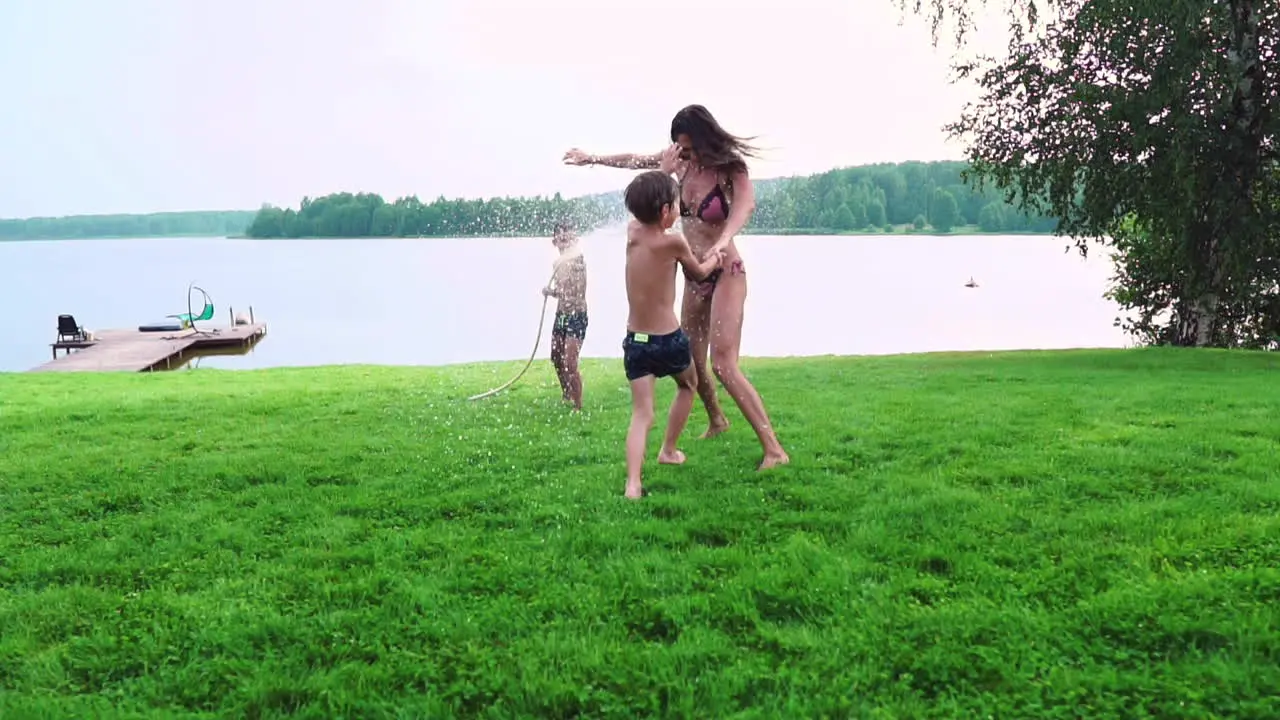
716 201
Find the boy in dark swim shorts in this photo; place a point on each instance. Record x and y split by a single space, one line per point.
655 346
569 288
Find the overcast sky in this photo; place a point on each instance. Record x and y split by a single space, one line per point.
148 105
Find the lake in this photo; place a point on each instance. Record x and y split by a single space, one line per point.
441 301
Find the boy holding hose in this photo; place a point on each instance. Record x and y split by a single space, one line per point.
569 288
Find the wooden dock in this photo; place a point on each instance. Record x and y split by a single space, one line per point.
136 351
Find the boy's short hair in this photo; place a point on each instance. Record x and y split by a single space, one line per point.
648 193
563 226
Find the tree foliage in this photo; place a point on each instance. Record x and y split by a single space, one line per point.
865 198
169 224
847 199
868 197
348 215
1150 125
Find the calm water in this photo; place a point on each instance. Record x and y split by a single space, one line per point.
430 302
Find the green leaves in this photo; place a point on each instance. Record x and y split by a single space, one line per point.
166 224
347 215
1151 123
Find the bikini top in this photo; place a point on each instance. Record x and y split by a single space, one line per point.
714 208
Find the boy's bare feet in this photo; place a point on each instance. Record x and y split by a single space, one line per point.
715 428
675 457
634 491
773 460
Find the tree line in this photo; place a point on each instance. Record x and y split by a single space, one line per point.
885 197
888 197
871 198
208 223
357 215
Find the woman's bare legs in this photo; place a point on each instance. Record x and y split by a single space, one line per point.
695 318
726 342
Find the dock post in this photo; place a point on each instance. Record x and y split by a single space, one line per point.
231 313
251 321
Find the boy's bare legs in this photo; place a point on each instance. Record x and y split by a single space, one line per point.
572 382
638 433
558 360
695 318
681 406
726 339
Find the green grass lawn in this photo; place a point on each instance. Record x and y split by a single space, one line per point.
1019 535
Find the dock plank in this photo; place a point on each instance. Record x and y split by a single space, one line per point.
134 351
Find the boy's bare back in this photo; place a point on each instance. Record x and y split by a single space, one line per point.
655 346
652 256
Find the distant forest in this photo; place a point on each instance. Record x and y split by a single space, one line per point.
888 197
347 215
197 223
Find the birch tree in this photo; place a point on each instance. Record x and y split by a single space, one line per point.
1149 125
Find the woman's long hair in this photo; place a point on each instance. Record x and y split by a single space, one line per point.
715 146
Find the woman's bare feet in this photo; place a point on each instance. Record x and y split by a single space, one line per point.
715 428
634 492
773 459
675 457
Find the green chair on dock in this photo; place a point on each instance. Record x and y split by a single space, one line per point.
188 318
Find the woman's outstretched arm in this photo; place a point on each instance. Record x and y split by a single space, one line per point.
625 161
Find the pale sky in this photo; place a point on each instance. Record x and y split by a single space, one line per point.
150 105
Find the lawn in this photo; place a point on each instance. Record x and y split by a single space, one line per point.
1022 535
